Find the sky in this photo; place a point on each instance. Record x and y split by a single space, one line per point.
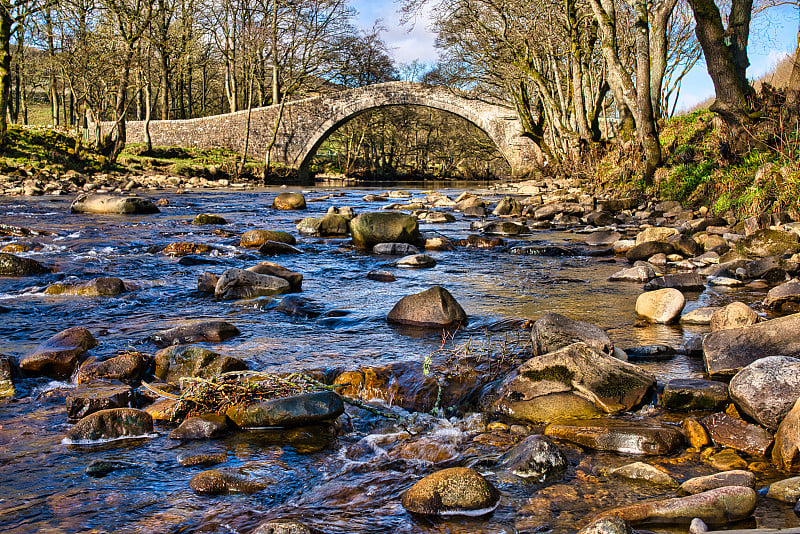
773 36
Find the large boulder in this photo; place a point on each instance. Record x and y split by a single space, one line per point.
767 389
58 356
173 363
783 295
297 410
434 308
553 331
289 201
661 305
106 286
535 457
112 204
454 491
764 243
243 284
610 384
115 423
715 507
256 238
330 225
644 251
194 332
369 229
655 233
786 450
11 265
640 437
726 352
734 315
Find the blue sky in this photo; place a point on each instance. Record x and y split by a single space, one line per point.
773 35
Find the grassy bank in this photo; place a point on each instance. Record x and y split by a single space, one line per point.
754 172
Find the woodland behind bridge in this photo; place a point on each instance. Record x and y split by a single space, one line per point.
577 72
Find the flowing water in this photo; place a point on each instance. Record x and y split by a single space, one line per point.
347 482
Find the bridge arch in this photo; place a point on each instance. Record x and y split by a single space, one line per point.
304 124
439 100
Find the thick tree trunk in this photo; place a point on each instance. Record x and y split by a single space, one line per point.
147 114
5 66
731 99
645 122
739 26
121 108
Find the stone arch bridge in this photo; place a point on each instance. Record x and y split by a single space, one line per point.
306 123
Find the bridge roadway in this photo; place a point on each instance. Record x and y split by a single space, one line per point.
306 123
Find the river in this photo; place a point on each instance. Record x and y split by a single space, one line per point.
351 482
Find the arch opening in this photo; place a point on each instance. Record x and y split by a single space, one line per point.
405 141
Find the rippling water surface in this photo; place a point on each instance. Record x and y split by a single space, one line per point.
350 482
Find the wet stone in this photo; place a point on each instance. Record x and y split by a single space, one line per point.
101 468
201 427
687 394
535 457
284 526
395 249
96 396
297 410
196 332
116 423
381 276
433 308
553 331
178 361
619 436
99 287
289 201
644 472
786 490
454 491
11 265
256 238
680 281
58 356
734 315
217 482
202 459
661 305
275 248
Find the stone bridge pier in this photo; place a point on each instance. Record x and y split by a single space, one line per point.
305 124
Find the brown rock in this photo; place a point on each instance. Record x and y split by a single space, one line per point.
734 315
194 332
99 395
433 308
695 433
619 436
660 306
185 249
454 491
289 201
99 287
256 238
786 452
128 367
715 507
58 356
216 482
719 480
727 431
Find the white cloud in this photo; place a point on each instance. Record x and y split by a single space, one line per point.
407 42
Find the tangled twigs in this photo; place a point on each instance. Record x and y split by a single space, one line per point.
217 394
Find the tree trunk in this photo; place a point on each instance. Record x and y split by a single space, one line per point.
121 108
739 26
163 67
147 114
51 73
731 99
659 46
5 66
645 122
